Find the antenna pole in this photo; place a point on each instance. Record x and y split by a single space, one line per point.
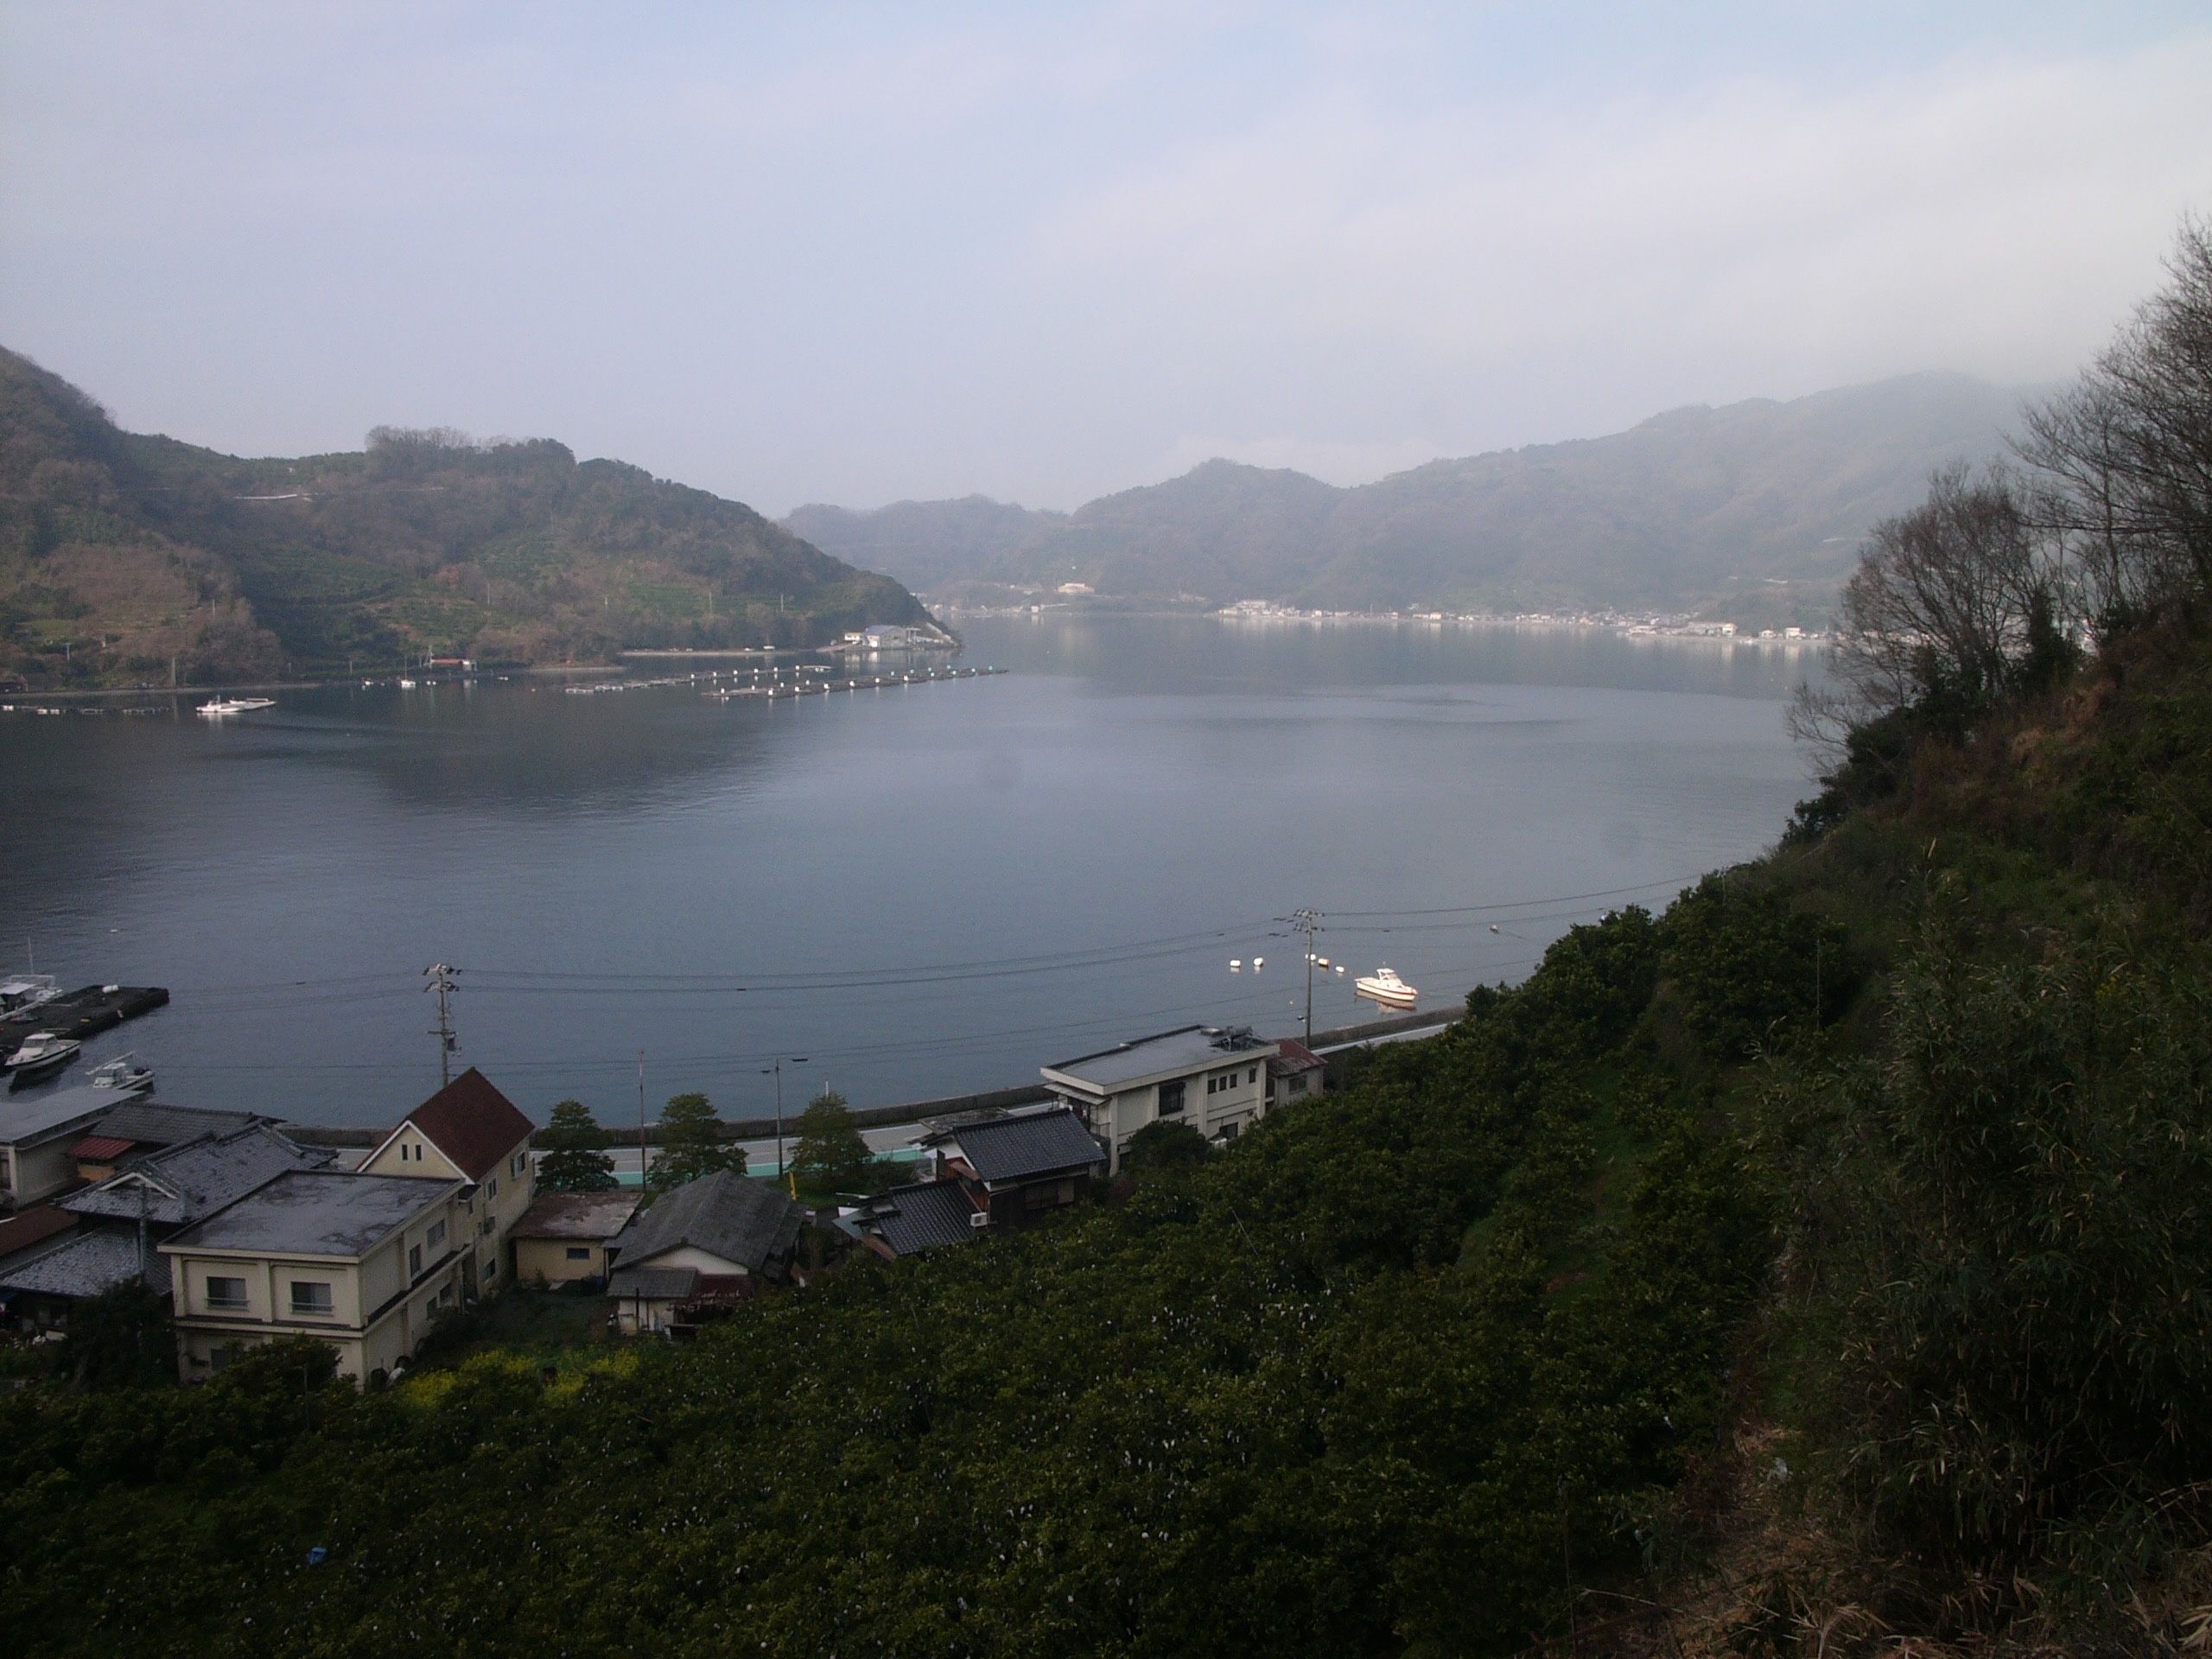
442 979
1305 923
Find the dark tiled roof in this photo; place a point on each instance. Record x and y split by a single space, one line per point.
577 1215
1036 1143
191 1182
748 1223
83 1266
654 1284
921 1217
149 1125
472 1122
35 1226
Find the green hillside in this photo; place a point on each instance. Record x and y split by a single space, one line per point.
1693 507
119 552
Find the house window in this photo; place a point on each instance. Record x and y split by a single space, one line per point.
226 1294
1170 1098
579 1252
490 1268
311 1296
413 1261
1253 1076
220 1355
1293 1085
515 1163
491 1187
436 1235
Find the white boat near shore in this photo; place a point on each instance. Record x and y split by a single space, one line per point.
1384 986
216 707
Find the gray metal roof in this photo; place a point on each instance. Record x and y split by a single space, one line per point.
317 1212
191 1182
654 1284
84 1265
596 1215
41 1117
1192 1048
920 1217
153 1125
1035 1143
724 1214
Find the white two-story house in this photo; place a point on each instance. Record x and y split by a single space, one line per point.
1213 1078
365 1262
469 1132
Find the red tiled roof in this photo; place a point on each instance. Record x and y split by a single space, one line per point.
20 1232
1293 1056
100 1149
472 1122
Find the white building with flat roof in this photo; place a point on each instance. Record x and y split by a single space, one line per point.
1213 1078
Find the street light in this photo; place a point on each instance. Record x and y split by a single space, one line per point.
777 1069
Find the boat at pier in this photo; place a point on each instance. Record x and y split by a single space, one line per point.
20 993
43 1051
124 1074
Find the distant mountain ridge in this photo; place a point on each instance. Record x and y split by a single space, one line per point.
1681 509
121 552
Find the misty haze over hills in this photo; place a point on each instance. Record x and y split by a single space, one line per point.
1692 507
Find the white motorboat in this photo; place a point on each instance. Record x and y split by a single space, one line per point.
216 707
123 1074
1383 985
43 1051
19 992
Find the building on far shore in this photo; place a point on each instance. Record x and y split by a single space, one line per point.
1211 1077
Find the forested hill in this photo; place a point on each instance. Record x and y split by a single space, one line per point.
120 551
1694 505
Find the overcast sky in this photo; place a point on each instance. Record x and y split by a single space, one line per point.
812 253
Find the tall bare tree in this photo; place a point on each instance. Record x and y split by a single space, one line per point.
2129 449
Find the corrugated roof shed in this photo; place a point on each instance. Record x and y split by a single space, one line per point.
473 1124
577 1215
1293 1056
921 1217
653 1284
1015 1149
745 1222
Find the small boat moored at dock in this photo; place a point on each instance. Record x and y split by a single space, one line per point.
1384 986
20 993
124 1074
43 1051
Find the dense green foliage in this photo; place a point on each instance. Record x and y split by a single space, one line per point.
830 1155
120 551
575 1149
692 1143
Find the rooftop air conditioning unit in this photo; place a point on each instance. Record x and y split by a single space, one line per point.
980 1220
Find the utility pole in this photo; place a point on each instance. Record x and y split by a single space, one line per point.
441 981
1305 923
777 1069
641 1119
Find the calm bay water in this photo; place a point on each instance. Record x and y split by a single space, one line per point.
924 891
